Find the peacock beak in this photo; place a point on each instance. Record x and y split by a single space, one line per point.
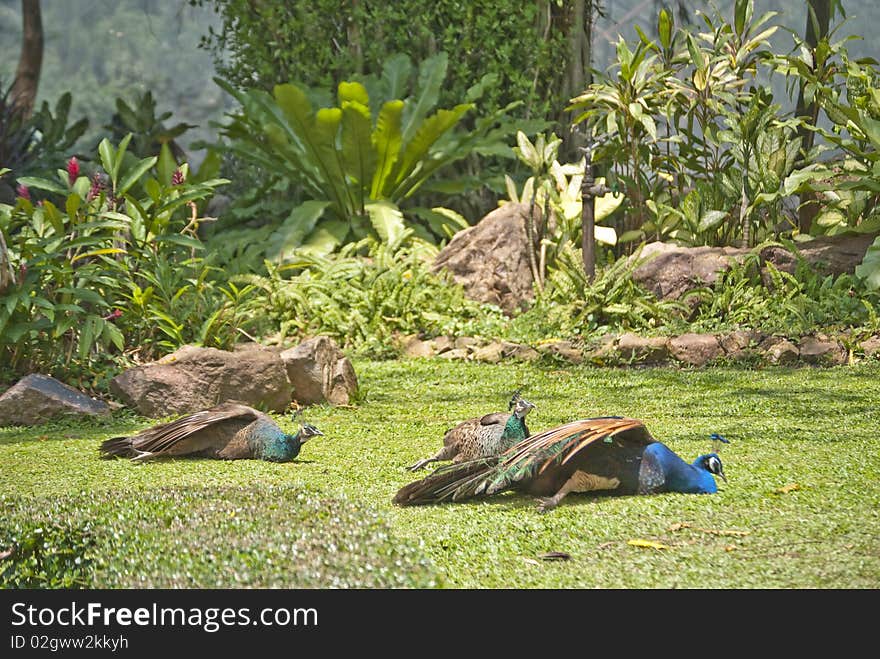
723 477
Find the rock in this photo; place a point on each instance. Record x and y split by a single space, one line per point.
455 353
318 371
816 351
642 350
871 346
779 350
194 378
492 352
490 259
564 350
415 348
695 349
740 343
605 352
467 342
443 343
830 255
670 271
37 398
524 353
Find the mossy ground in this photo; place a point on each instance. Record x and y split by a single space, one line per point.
801 508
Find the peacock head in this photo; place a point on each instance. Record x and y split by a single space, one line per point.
522 407
711 462
307 431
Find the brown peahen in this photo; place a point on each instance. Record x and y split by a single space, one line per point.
483 436
230 431
611 455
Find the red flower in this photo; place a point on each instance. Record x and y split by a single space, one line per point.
72 170
177 177
97 187
23 192
113 315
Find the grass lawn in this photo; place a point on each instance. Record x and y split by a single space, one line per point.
801 508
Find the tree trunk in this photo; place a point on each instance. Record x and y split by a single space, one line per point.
27 76
588 219
822 9
578 75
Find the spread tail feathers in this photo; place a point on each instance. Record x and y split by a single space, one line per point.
117 447
448 482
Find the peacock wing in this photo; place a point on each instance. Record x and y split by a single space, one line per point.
496 418
531 457
196 432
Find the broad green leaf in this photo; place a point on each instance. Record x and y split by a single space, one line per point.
355 92
298 225
869 269
118 158
606 204
395 76
387 139
387 220
326 237
711 220
133 175
107 154
415 152
358 154
432 72
166 165
664 28
42 184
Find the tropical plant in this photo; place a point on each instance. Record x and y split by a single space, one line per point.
555 189
356 163
365 302
77 263
148 129
38 144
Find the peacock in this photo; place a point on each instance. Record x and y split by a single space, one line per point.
483 436
229 431
605 455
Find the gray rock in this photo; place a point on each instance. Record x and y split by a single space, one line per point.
564 350
490 259
415 348
669 271
492 352
38 398
643 350
740 343
443 343
524 353
817 351
467 342
779 350
695 349
455 353
319 371
871 346
830 255
194 378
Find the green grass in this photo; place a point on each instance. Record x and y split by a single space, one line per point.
327 520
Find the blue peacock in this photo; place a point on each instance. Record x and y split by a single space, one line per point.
230 431
606 455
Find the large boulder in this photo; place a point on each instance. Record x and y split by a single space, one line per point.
669 271
38 398
490 259
193 379
318 371
830 255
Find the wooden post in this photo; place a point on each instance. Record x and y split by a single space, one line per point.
589 192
